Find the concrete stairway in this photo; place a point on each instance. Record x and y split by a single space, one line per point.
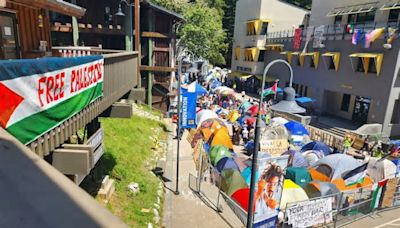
107 189
333 130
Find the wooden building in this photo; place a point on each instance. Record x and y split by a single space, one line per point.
25 27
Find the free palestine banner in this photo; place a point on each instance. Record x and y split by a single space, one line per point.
37 95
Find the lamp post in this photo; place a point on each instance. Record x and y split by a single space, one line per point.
250 214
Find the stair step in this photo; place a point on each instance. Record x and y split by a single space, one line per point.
105 181
106 193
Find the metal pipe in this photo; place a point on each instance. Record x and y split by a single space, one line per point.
250 214
178 134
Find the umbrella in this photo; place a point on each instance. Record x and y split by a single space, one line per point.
298 175
204 115
226 163
316 189
196 88
280 120
296 159
222 137
219 152
292 193
379 170
317 146
231 181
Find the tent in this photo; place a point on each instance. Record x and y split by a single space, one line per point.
241 197
280 120
312 156
298 175
233 116
292 193
379 170
317 146
296 159
226 163
246 174
204 115
195 87
231 181
316 189
210 126
297 131
221 137
219 152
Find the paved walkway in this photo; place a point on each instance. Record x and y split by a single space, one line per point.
189 209
384 219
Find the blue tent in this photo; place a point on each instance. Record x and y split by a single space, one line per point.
215 84
296 128
317 146
196 88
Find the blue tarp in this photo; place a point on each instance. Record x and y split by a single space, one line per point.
317 146
304 100
296 128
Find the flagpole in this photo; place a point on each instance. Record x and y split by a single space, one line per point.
277 85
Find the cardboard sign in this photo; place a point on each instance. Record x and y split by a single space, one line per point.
275 147
319 37
310 213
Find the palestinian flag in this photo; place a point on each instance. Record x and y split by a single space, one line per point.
39 94
356 175
271 91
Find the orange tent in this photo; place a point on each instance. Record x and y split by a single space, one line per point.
221 137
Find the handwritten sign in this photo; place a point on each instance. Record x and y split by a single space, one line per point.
275 147
310 213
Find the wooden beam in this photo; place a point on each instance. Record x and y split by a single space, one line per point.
155 35
161 49
157 68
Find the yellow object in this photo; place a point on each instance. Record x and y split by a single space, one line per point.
289 55
254 26
366 59
233 116
335 57
237 53
274 47
236 74
221 137
209 127
252 54
314 56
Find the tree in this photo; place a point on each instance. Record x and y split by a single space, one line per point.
228 23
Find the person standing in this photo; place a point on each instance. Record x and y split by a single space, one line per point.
245 134
346 144
365 147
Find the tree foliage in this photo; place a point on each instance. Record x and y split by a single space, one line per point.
202 33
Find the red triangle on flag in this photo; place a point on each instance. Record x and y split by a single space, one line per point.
9 102
275 87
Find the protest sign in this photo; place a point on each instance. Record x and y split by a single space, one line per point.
275 147
319 37
39 94
310 213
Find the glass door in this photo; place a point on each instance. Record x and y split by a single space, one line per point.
361 109
9 47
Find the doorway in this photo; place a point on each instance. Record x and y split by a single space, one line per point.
361 110
9 47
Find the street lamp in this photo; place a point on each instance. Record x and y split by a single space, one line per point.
250 214
120 13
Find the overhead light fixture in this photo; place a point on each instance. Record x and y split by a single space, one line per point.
120 12
288 104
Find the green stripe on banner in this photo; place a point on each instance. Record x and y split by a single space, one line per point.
36 125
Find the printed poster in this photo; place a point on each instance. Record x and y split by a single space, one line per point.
269 188
189 110
319 37
297 38
38 94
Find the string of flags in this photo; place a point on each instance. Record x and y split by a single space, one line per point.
367 37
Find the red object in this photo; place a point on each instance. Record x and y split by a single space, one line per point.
9 102
275 87
251 121
175 118
254 110
297 38
241 197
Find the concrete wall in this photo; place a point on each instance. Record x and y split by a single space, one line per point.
320 8
333 102
283 16
378 88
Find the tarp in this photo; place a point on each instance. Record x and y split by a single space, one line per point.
195 87
316 189
304 100
36 95
317 146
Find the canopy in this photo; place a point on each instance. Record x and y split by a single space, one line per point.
219 152
381 169
204 115
196 88
296 159
316 189
226 163
317 146
231 181
298 175
304 100
292 193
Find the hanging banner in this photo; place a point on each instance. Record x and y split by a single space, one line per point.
189 110
310 32
269 190
310 213
297 38
319 37
39 94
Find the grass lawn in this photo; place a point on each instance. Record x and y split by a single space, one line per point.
128 146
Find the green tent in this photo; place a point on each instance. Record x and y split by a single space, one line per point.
298 175
218 152
231 181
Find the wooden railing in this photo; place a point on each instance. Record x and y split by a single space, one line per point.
120 76
81 51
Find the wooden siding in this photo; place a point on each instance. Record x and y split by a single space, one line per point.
29 32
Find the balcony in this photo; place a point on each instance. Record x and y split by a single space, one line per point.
121 77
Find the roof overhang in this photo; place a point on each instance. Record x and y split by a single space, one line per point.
58 6
161 9
353 9
390 6
335 56
366 59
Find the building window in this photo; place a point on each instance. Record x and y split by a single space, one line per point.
371 66
364 18
345 102
396 112
264 29
331 64
394 15
261 56
338 20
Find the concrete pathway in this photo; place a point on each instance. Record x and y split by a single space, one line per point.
188 209
385 219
